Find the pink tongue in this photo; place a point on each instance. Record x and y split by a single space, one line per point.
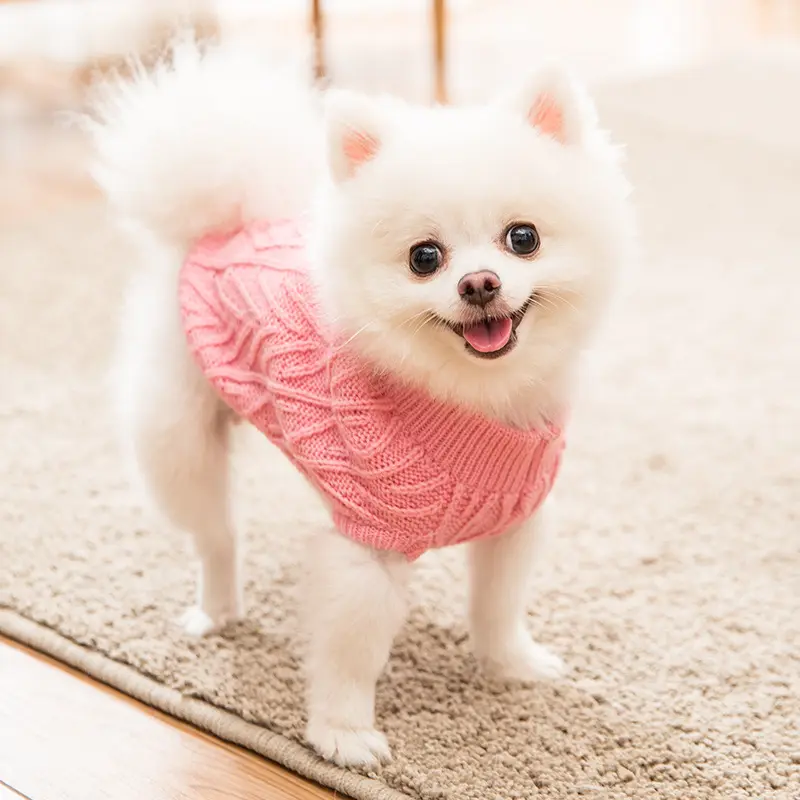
489 336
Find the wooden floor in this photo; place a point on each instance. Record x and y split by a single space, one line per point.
65 737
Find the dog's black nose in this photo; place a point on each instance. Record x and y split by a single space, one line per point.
479 288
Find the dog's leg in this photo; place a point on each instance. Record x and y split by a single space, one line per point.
185 465
178 433
356 604
500 578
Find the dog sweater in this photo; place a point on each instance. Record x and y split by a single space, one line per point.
400 470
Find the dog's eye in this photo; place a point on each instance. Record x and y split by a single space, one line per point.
522 240
425 258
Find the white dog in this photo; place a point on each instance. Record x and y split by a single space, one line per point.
459 259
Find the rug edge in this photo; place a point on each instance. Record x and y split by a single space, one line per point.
202 715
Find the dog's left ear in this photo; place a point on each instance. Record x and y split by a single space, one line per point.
355 129
553 103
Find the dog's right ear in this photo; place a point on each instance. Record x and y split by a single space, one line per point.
552 102
354 125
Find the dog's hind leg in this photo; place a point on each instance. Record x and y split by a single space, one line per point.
178 432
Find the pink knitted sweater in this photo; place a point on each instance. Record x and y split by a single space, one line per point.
400 470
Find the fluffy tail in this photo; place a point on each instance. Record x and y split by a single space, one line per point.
204 142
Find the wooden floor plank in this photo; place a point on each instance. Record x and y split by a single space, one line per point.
65 737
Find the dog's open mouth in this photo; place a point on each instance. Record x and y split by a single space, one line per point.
492 336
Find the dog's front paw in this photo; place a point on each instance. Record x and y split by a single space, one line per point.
524 660
197 622
364 748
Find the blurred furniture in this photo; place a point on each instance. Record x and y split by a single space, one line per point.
439 23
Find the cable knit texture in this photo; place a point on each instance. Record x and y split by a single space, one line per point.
401 471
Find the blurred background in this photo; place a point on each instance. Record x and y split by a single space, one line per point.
454 50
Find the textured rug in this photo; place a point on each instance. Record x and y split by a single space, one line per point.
672 589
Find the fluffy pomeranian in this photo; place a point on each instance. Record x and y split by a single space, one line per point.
398 298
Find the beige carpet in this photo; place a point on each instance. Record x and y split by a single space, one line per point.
673 589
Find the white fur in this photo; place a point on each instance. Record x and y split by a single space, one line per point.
206 143
202 143
499 579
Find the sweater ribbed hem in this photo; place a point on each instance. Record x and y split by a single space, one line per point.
478 451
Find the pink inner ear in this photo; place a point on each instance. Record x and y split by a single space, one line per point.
359 147
547 116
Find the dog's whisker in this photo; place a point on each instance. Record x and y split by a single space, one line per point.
555 298
356 334
420 314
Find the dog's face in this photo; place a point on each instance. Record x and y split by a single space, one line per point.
471 250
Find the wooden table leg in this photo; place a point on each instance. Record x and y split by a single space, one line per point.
318 30
439 51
